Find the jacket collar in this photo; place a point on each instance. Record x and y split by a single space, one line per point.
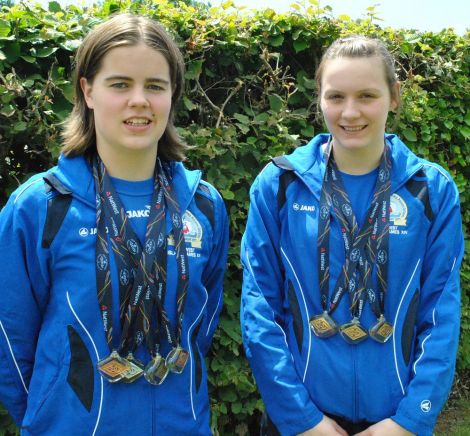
307 161
76 175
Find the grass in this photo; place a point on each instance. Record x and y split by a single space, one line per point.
455 418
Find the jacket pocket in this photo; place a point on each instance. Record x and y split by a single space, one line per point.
81 372
408 332
197 358
296 315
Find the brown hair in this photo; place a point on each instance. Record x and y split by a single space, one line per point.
358 46
119 31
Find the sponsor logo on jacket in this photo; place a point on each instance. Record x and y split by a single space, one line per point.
303 207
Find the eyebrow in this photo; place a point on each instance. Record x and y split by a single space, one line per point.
129 79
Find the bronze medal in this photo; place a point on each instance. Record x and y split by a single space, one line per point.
323 325
176 359
382 331
156 370
353 332
136 369
113 367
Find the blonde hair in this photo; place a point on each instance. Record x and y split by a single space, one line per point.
119 31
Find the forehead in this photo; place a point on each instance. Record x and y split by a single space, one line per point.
137 60
348 73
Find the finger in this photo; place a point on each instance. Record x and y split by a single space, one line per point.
340 429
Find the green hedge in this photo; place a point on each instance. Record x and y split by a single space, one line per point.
250 95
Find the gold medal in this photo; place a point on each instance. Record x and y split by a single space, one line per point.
156 370
382 331
353 332
136 369
176 359
113 367
323 325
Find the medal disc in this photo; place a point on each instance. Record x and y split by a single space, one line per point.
156 370
353 332
176 359
323 325
382 331
136 370
113 367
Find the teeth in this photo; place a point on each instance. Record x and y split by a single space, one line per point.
138 122
352 129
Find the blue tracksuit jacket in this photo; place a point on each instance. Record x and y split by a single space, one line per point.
51 331
299 375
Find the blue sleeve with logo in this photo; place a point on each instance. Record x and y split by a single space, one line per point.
438 317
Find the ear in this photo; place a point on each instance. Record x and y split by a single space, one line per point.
395 96
87 90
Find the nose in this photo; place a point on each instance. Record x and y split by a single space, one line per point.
350 109
138 97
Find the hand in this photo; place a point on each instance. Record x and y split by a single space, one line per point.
326 427
385 427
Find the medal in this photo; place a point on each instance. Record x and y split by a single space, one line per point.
113 367
136 369
176 359
156 370
381 331
323 325
353 332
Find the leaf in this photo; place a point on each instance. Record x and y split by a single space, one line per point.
54 7
241 118
71 45
194 69
46 51
228 195
276 41
188 104
275 102
300 45
4 28
410 134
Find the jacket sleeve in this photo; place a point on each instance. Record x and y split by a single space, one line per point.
214 271
23 296
438 318
286 399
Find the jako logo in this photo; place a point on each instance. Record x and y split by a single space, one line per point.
425 406
303 207
84 231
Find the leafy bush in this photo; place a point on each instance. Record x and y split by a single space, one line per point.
250 95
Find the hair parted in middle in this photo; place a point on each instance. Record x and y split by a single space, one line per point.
120 31
359 46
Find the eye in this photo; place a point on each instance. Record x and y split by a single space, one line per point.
118 85
334 97
155 87
367 95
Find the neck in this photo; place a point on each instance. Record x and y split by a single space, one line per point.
136 166
357 162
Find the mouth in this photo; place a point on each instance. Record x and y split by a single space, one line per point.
137 122
353 129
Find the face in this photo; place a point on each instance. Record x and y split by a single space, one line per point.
355 101
131 100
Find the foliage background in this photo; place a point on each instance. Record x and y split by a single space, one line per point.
250 95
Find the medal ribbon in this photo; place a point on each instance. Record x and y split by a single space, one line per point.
360 246
142 272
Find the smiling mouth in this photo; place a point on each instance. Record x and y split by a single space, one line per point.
353 129
137 122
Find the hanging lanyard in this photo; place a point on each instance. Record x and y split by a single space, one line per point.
137 271
362 248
